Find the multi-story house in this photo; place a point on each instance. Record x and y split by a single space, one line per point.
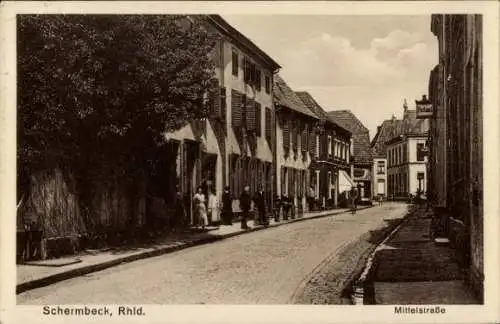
407 164
234 145
361 171
294 124
331 148
456 143
390 129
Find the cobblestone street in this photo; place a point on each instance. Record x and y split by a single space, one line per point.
265 267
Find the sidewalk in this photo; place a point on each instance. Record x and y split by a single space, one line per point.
43 273
410 268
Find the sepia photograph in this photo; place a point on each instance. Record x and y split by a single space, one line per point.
249 159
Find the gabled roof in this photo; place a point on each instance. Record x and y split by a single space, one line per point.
285 96
314 106
225 28
392 128
348 120
360 134
310 103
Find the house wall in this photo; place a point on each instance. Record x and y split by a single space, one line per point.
379 182
460 103
294 160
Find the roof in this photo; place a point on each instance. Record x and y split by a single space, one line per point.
285 96
313 105
360 134
243 41
392 128
348 120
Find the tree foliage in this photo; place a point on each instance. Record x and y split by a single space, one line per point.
99 89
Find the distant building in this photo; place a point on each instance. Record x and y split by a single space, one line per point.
330 165
294 126
388 130
407 159
362 161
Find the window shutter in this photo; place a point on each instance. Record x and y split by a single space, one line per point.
236 111
286 134
223 105
258 81
258 119
215 102
303 141
312 142
250 115
269 125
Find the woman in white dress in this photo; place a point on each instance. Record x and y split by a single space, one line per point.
200 208
213 208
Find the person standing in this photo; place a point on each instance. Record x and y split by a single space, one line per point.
245 204
260 203
200 208
227 207
277 207
310 197
354 197
285 202
213 208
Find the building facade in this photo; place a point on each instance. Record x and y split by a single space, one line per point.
294 124
407 165
234 146
362 160
379 182
388 130
330 166
456 144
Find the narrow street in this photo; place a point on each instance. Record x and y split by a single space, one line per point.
264 267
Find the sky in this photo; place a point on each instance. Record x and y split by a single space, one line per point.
366 64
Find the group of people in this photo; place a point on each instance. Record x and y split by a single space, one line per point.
207 206
206 211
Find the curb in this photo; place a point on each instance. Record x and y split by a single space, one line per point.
361 287
51 279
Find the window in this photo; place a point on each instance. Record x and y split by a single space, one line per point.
235 63
268 84
329 145
420 152
380 167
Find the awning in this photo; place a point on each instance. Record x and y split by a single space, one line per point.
345 181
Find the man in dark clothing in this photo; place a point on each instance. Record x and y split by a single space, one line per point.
260 203
354 197
285 202
227 207
245 202
277 207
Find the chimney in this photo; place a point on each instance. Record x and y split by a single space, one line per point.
405 106
393 118
424 98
